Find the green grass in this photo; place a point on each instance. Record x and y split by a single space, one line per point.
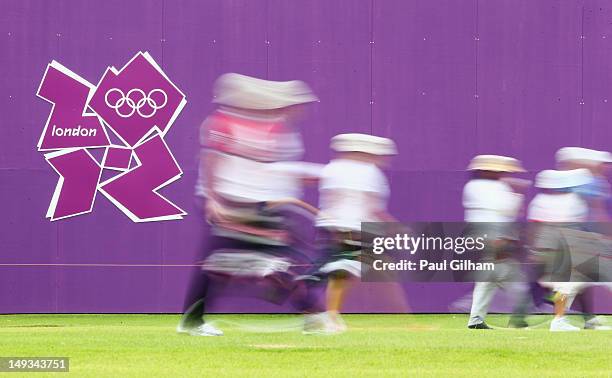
375 345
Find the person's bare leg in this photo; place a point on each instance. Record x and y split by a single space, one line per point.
337 288
560 323
560 305
336 292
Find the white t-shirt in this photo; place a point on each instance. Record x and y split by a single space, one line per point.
244 180
490 201
351 192
246 146
565 208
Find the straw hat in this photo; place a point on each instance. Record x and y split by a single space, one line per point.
366 143
246 92
579 154
495 163
552 179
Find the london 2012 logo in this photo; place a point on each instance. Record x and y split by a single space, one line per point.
109 138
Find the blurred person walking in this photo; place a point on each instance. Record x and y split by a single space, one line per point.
492 204
353 189
597 194
552 214
248 237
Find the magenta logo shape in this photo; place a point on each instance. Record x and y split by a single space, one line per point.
137 104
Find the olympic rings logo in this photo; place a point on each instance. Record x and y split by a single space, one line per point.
136 100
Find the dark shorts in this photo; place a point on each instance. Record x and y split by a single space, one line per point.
340 252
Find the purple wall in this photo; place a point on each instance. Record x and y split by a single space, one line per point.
445 79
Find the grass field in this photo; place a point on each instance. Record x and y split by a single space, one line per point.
375 345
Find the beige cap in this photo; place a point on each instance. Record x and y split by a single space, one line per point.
495 163
366 143
246 92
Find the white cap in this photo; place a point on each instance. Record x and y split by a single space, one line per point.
495 163
552 179
579 154
246 92
366 143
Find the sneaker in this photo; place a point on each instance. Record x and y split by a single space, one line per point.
337 323
596 324
205 329
340 324
318 324
562 324
517 322
185 326
180 328
482 325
